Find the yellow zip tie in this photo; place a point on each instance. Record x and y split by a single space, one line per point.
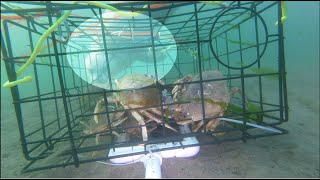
283 12
218 3
20 81
36 51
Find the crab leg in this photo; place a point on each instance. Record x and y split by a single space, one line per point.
99 106
175 89
152 128
118 115
212 124
140 119
180 87
97 139
197 126
98 109
116 134
113 124
156 119
179 119
156 111
118 122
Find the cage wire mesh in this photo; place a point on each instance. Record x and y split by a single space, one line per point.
76 116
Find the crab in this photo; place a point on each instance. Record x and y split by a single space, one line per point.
100 121
99 124
138 98
216 98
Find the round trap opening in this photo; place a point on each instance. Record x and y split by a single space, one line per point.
242 36
102 50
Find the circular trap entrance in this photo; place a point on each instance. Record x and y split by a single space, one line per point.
102 50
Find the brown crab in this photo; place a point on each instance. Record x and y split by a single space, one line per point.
138 98
216 98
99 124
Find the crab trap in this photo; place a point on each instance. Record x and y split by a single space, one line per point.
117 81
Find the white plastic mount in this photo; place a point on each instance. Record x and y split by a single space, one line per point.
153 160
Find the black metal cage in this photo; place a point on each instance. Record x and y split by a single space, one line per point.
240 39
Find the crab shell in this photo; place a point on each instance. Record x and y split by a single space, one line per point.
138 98
141 97
216 97
213 91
